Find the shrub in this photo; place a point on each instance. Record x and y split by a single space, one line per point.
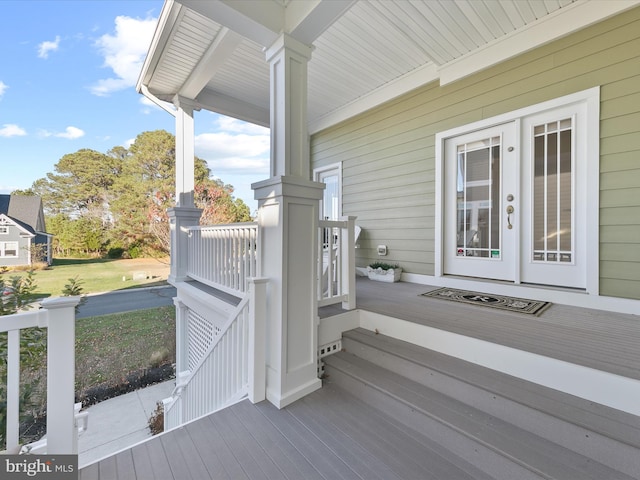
156 421
115 252
383 266
135 250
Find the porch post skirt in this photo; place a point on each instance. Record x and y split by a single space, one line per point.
179 219
288 219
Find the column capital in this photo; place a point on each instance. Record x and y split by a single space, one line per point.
287 42
186 104
288 186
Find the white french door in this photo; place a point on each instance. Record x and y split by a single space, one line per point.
554 184
480 185
515 200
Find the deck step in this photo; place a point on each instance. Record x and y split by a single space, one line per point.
506 427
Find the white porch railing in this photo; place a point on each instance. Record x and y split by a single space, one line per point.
224 256
231 369
58 315
336 263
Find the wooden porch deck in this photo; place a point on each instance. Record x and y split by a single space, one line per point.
592 338
350 432
304 441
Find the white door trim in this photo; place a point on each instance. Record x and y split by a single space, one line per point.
591 98
337 167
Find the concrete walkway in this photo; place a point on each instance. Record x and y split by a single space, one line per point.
120 422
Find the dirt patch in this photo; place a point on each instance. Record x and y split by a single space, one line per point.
156 268
133 381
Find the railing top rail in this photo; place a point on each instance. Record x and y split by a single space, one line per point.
225 226
333 223
18 321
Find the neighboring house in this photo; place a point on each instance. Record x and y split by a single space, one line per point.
22 229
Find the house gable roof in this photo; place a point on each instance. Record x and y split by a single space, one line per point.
25 211
26 230
365 52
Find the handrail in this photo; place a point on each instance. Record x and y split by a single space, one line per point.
224 256
58 315
336 262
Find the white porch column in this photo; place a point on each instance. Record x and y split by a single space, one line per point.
184 214
185 151
288 218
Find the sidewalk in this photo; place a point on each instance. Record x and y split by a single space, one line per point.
120 422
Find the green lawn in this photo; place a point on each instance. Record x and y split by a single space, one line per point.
98 275
113 352
110 347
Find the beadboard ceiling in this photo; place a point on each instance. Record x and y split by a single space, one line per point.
365 51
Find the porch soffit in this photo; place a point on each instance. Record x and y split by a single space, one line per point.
365 52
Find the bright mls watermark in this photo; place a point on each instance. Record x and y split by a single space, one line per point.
49 467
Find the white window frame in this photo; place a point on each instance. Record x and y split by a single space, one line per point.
4 230
591 98
3 249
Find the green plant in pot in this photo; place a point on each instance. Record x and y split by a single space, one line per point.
384 272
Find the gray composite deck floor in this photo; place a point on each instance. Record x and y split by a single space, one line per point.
597 339
332 435
306 440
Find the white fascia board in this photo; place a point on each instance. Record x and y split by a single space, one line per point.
552 27
6 220
164 31
399 86
233 107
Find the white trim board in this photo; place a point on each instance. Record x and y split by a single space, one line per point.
604 388
548 294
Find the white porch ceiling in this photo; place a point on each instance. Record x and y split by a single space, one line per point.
365 51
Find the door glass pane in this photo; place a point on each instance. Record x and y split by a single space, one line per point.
553 192
478 199
330 199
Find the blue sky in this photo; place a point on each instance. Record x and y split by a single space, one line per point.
67 81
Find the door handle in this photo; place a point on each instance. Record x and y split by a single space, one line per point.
510 210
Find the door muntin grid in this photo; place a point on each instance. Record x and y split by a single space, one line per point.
553 193
478 199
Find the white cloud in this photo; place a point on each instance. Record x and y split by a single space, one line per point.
3 88
71 133
238 126
12 130
229 153
124 53
47 46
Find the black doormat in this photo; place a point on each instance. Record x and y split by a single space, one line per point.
511 304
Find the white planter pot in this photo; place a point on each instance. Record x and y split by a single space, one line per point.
391 275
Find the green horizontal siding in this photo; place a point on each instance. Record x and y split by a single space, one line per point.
388 153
